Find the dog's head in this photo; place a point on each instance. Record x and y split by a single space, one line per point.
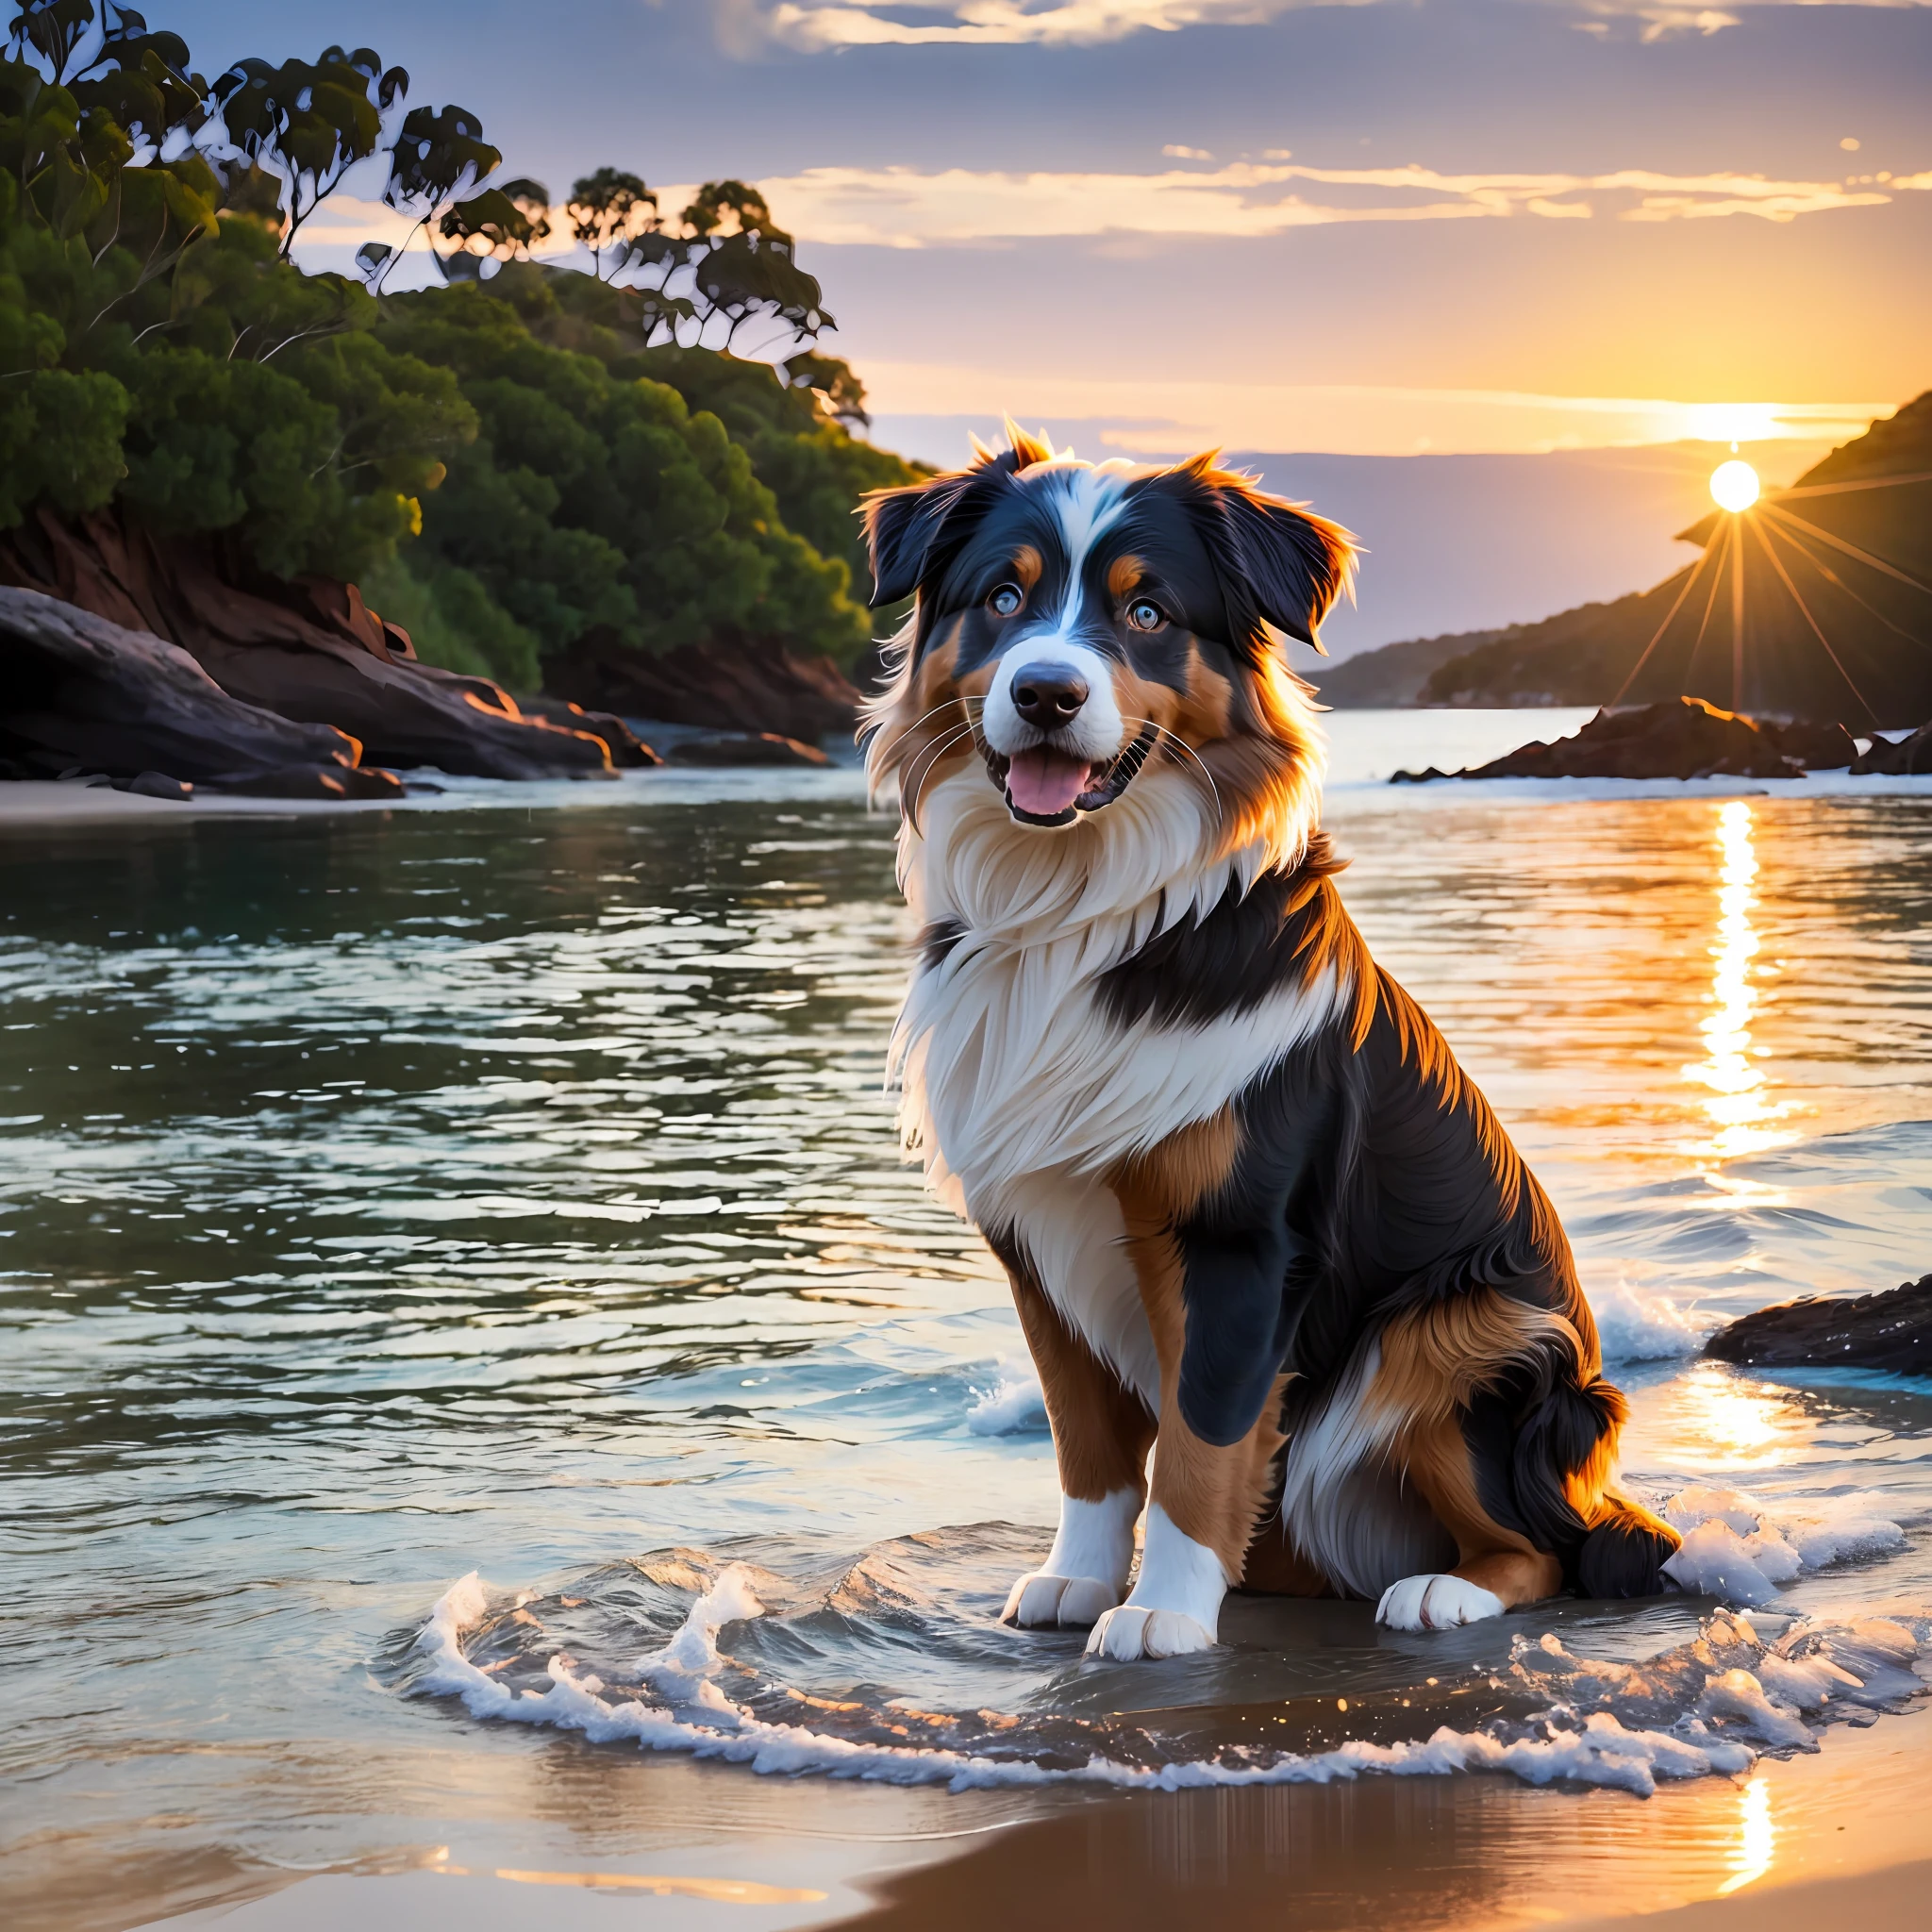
1077 623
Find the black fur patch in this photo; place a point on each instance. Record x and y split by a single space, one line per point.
1248 947
936 940
1373 1181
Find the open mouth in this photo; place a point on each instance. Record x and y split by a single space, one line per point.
1047 786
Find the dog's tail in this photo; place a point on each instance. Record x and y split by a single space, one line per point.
1565 1461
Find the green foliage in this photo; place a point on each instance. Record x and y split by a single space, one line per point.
453 621
594 497
507 463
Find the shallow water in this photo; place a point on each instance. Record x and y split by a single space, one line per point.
508 1190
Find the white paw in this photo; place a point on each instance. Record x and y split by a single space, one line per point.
1071 1602
1130 1633
1436 1602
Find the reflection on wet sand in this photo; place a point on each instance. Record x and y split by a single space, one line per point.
1757 1836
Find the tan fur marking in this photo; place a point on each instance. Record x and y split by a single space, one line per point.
1101 1431
1275 1567
1171 1180
1439 1358
1213 1495
1435 1458
1266 774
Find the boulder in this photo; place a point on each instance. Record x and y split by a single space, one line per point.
741 684
1688 739
627 750
1913 754
311 650
79 695
1892 1331
748 748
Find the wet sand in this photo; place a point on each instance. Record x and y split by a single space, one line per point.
1837 1835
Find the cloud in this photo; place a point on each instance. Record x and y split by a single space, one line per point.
902 207
818 26
1160 416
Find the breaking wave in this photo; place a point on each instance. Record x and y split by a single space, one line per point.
687 1653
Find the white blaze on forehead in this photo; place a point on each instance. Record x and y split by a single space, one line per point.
1087 501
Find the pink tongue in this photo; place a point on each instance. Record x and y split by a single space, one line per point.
1045 782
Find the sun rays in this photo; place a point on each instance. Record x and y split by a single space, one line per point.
1783 536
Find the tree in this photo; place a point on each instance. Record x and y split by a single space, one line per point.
608 212
508 222
310 122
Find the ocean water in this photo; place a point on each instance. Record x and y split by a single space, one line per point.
464 1322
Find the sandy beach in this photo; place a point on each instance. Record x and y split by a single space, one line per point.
1836 1836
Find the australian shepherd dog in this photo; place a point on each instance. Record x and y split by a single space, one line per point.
1255 1217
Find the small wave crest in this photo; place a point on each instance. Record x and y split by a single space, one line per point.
1742 1550
725 1685
1635 1325
1014 1406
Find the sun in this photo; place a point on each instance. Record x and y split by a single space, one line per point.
1734 484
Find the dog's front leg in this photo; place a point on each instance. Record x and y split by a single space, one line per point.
1206 1495
1101 1431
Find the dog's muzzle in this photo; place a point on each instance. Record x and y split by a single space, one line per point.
1045 786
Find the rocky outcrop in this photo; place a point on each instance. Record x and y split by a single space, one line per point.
81 695
1912 754
1891 1331
743 684
310 651
1688 739
746 748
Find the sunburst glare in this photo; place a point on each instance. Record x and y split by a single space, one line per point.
1734 484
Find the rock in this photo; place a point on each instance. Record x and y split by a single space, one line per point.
752 748
735 684
310 651
1689 739
309 782
1817 747
1913 754
79 695
1892 1331
158 785
627 750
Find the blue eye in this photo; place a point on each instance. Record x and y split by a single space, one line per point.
1144 616
1006 600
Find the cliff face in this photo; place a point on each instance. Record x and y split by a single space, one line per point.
1836 577
311 652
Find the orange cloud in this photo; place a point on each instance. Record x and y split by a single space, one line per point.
902 207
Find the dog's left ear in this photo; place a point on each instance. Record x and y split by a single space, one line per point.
1278 558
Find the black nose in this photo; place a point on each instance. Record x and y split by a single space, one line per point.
1048 695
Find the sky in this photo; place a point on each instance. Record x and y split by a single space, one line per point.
1385 227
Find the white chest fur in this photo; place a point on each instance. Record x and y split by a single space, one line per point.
1020 1091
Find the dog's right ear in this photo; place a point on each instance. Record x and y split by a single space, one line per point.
900 528
910 532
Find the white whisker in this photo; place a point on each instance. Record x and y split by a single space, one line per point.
1164 736
932 755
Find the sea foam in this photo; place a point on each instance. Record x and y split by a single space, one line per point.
1710 1705
1743 1550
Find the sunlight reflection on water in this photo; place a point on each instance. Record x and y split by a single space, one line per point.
1740 1106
